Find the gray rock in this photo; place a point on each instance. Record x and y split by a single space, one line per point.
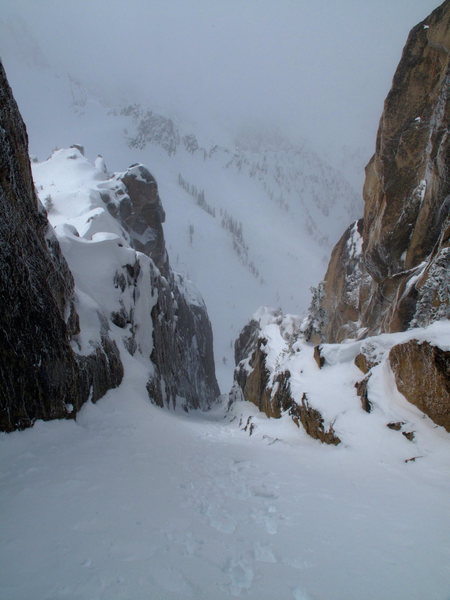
182 336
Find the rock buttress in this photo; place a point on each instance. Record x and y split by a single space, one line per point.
404 264
182 335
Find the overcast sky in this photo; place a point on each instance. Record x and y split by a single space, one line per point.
318 68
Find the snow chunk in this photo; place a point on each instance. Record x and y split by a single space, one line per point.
419 193
354 242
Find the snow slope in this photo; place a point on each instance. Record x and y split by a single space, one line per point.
132 502
289 205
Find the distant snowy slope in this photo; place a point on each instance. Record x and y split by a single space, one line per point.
250 221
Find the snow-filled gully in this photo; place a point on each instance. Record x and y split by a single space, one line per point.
133 502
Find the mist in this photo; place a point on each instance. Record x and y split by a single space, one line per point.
316 70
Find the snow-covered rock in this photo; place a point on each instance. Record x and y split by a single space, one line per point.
279 372
110 230
95 285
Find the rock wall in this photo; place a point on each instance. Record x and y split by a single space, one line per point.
183 347
182 335
40 375
403 264
390 271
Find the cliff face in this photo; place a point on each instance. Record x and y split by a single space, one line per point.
40 375
140 212
403 263
389 272
182 336
103 282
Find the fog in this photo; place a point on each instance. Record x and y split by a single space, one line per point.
318 69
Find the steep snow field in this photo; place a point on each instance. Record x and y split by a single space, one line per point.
270 210
132 502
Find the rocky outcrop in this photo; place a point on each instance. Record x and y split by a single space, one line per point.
399 276
40 375
59 331
336 302
252 376
263 381
140 212
422 375
313 422
182 336
362 391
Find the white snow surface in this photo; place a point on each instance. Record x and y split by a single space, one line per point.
132 502
95 247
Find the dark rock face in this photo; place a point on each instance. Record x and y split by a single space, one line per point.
40 375
182 336
336 303
141 214
403 266
422 375
183 348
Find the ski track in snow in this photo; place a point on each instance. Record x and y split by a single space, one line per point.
132 502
